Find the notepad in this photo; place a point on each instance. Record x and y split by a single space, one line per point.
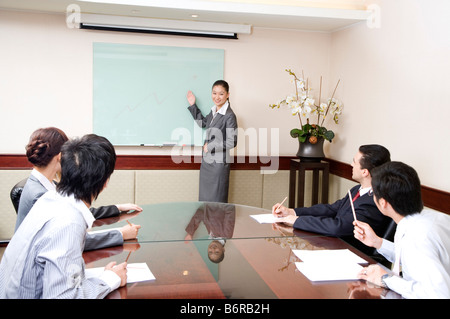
329 257
265 218
329 272
135 272
329 265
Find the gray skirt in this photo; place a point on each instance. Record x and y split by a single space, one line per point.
214 181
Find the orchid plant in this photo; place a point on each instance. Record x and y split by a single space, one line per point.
304 106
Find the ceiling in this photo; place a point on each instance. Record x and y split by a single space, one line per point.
312 15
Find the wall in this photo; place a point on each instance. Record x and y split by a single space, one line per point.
46 77
393 81
395 86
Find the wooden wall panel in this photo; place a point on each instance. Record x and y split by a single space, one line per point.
432 198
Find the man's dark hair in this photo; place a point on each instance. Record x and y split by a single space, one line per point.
399 185
373 155
86 165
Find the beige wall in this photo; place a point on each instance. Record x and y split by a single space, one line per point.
395 87
47 75
393 81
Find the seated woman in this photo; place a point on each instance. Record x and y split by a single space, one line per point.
44 152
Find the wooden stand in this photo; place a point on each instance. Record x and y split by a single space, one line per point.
302 167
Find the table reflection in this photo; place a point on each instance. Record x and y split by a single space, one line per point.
216 250
196 221
219 220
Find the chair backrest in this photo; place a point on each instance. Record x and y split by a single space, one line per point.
390 231
388 234
16 192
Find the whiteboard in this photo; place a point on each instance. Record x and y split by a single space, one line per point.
139 92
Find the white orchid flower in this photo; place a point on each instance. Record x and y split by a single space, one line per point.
300 84
291 98
322 108
295 107
309 102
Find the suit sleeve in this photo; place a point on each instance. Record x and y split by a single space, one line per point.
102 240
195 221
105 211
197 115
337 219
331 220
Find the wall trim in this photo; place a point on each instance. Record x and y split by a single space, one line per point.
432 198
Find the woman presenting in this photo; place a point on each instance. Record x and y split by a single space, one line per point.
220 137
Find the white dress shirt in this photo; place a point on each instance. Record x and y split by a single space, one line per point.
44 257
223 110
423 243
50 186
363 191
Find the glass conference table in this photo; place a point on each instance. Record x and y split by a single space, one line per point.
200 250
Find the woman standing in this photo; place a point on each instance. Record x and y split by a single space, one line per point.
221 136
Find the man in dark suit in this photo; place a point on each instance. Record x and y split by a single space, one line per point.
337 219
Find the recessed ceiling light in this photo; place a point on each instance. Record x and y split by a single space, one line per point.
194 15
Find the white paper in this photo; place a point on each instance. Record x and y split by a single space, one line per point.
329 257
329 272
135 272
265 218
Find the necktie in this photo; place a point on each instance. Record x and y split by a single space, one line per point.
355 197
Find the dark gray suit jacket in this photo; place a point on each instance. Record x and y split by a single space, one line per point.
221 136
221 133
33 190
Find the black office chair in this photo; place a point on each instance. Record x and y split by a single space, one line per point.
16 192
388 235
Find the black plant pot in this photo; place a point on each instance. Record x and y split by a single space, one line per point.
308 152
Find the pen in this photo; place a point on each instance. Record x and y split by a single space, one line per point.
351 203
126 260
281 203
129 223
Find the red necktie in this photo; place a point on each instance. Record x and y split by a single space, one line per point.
356 196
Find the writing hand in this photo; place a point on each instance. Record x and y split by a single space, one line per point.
281 211
288 220
119 270
130 231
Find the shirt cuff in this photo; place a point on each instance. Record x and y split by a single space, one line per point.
111 279
387 250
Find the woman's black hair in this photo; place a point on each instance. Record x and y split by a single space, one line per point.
223 84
